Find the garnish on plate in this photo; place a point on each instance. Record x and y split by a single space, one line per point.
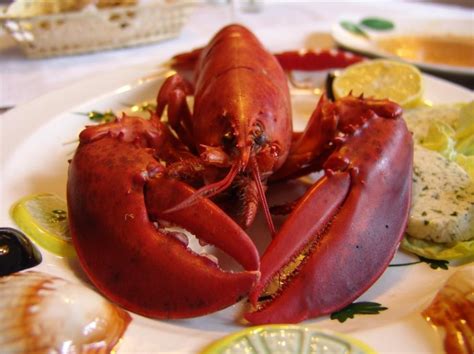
43 217
100 117
372 23
377 23
289 339
441 224
353 28
357 308
381 79
433 263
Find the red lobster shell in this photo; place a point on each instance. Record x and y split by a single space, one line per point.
116 191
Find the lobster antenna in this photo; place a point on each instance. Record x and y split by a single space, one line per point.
261 194
208 191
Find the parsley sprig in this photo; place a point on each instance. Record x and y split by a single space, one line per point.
357 308
100 117
433 263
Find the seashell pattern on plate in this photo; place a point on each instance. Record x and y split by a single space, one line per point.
42 313
452 312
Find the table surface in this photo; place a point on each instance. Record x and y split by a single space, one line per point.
281 25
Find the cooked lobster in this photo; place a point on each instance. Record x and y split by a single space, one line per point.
133 181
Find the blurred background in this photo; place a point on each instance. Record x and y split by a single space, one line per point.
281 25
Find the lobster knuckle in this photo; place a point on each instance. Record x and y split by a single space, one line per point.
337 163
386 108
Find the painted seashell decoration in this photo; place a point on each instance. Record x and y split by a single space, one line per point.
42 313
452 312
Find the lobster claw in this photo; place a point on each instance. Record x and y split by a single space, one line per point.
345 230
116 191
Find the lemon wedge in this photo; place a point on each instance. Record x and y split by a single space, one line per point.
287 339
382 79
43 217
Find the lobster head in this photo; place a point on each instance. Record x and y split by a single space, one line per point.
225 114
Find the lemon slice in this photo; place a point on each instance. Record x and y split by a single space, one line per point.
381 79
287 339
43 217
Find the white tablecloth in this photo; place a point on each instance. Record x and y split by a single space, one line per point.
280 25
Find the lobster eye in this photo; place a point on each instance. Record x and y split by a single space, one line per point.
259 137
228 139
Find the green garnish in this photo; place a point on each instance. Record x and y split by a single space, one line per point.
143 107
378 24
100 117
433 263
357 308
353 28
373 23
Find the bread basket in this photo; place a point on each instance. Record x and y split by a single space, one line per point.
95 29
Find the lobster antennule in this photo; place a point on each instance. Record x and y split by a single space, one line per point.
261 194
207 191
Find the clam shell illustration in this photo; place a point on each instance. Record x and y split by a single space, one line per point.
42 313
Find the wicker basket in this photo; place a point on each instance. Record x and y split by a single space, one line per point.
97 29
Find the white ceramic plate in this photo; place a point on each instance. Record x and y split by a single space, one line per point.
405 27
38 138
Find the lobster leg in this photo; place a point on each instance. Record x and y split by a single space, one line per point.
306 146
326 127
173 94
116 227
344 231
